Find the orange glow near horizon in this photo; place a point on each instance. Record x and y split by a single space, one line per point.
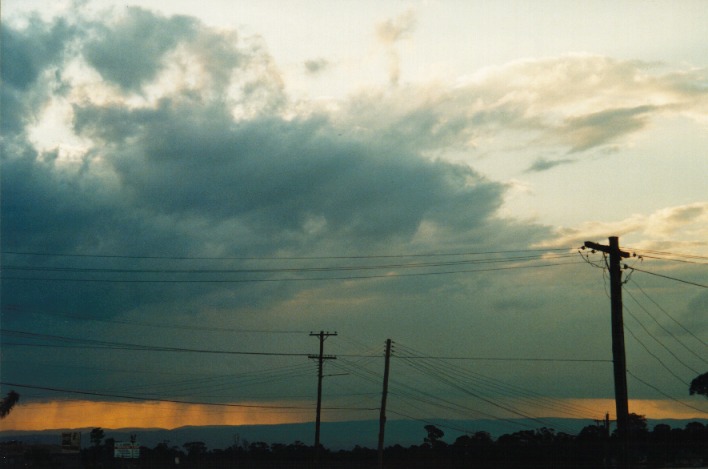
82 414
167 415
650 408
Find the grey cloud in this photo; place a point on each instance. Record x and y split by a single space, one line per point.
543 164
185 177
686 214
696 309
277 175
599 128
316 65
131 52
25 54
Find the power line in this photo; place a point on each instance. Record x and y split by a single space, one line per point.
656 339
663 365
94 344
506 359
157 325
274 280
174 401
665 330
453 383
373 256
128 346
664 394
684 261
688 282
688 331
665 253
496 386
416 265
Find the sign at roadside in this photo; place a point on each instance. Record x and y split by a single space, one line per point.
71 441
126 450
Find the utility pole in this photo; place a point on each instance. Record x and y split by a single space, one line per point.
618 355
320 360
384 395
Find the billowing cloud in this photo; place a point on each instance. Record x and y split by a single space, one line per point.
210 166
132 51
28 56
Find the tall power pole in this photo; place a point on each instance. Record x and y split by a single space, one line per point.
384 395
618 355
320 361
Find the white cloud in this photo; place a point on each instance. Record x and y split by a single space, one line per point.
679 229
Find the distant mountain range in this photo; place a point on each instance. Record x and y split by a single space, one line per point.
334 435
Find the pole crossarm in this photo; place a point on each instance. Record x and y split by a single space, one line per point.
605 249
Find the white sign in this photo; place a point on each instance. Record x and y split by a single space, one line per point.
126 450
71 441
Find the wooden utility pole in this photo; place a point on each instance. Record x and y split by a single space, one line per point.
320 360
382 415
618 355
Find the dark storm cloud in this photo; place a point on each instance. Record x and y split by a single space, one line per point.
276 176
185 177
131 52
25 54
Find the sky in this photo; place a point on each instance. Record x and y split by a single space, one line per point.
191 192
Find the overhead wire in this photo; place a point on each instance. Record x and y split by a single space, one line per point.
662 344
687 282
664 255
665 394
667 331
416 265
498 387
653 355
174 401
666 313
451 382
451 376
129 346
373 256
387 275
163 325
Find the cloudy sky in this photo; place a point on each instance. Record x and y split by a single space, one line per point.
190 189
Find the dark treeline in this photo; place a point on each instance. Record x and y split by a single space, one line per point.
662 446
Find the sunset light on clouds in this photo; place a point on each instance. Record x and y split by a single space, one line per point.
189 190
86 414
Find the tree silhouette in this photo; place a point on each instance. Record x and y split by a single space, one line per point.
195 449
434 436
96 436
8 402
699 385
